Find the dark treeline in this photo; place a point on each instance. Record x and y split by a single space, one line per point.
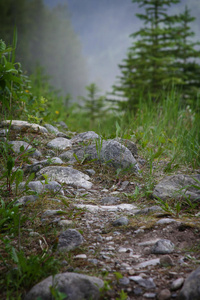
45 38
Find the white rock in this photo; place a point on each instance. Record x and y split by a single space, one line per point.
166 221
151 262
82 256
121 207
122 250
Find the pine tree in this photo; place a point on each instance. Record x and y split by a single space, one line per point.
187 53
149 67
93 103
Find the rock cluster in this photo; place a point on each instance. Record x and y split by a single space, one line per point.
145 245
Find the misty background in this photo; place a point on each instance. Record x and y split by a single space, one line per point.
104 29
77 41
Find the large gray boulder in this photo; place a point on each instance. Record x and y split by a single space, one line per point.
66 175
75 286
178 186
191 287
110 152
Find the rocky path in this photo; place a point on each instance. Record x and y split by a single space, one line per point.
92 198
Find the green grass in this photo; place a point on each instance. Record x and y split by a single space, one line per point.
166 129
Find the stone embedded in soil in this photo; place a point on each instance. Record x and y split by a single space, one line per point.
16 146
59 143
124 281
109 208
146 283
41 186
148 210
75 286
138 291
69 240
164 295
166 261
144 264
66 175
178 186
121 221
81 256
166 221
51 212
148 243
177 284
162 247
149 295
110 200
27 199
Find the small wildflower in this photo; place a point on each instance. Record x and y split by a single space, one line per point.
27 91
57 112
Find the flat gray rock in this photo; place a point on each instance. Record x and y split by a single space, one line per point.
19 125
59 143
69 240
66 175
148 263
178 186
75 286
146 283
16 145
191 287
148 210
129 208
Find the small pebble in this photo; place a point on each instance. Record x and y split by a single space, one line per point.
124 281
122 250
82 256
177 284
138 291
164 295
121 221
166 261
149 295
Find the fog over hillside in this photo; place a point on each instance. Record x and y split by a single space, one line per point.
104 28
